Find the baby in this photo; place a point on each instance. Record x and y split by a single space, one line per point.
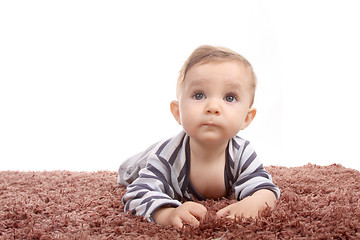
207 160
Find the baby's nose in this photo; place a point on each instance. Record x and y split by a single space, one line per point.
213 108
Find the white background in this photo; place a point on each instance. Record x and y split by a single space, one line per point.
86 84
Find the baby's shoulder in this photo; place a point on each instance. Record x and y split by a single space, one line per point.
238 143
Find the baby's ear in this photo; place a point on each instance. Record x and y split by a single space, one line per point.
175 110
249 117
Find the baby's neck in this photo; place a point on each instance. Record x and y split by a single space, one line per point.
207 152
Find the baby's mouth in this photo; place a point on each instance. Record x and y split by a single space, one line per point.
210 124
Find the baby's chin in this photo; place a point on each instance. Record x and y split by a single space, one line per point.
211 138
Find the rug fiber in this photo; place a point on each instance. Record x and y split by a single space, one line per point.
317 202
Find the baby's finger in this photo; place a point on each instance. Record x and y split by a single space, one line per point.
177 223
199 211
224 212
231 216
190 219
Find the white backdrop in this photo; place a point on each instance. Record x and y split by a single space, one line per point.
86 84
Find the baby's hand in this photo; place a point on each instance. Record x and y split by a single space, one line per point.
249 206
188 212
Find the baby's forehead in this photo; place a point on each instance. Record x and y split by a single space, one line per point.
237 72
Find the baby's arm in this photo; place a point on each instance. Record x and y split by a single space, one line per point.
151 190
253 187
188 212
249 206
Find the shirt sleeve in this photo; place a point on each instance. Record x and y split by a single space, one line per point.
151 190
251 175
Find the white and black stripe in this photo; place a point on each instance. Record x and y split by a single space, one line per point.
166 178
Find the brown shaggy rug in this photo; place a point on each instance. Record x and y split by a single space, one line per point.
317 202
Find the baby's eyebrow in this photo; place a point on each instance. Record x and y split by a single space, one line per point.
233 86
198 83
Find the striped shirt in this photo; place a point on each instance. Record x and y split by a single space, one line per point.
165 180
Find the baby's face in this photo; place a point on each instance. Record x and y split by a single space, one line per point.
214 101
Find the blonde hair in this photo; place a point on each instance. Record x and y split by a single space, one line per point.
206 54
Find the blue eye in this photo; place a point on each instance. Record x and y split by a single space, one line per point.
198 96
230 98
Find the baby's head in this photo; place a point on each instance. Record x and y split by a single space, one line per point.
210 54
215 91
